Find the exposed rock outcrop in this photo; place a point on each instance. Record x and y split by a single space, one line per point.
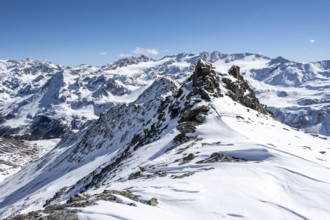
217 157
240 91
68 210
206 81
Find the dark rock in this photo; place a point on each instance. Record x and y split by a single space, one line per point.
135 175
190 157
200 118
122 193
152 202
62 215
205 80
142 169
54 215
106 197
136 138
34 215
216 157
161 174
235 72
75 198
186 127
196 114
240 91
51 208
182 175
181 138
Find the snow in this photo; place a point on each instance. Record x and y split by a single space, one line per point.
247 63
284 172
283 179
81 97
44 145
104 210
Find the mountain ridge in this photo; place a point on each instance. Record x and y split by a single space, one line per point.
194 145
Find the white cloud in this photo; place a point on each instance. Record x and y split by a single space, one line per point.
103 53
311 41
145 51
123 55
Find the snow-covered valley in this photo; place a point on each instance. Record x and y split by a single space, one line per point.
196 143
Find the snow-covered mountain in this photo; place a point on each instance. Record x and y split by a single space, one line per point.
204 148
15 154
41 100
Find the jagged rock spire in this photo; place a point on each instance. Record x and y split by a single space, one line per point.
205 80
235 72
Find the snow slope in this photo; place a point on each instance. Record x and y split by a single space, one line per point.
191 147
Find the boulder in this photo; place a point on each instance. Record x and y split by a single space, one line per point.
235 72
195 114
135 175
152 202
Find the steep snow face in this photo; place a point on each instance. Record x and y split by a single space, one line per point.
198 153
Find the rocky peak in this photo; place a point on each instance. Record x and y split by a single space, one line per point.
235 72
206 83
126 61
205 80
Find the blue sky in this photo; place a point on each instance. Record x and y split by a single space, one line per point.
72 32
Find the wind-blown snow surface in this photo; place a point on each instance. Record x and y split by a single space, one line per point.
36 94
284 173
283 178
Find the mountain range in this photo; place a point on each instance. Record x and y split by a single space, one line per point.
58 99
184 137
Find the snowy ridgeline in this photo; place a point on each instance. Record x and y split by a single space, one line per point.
202 149
59 99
